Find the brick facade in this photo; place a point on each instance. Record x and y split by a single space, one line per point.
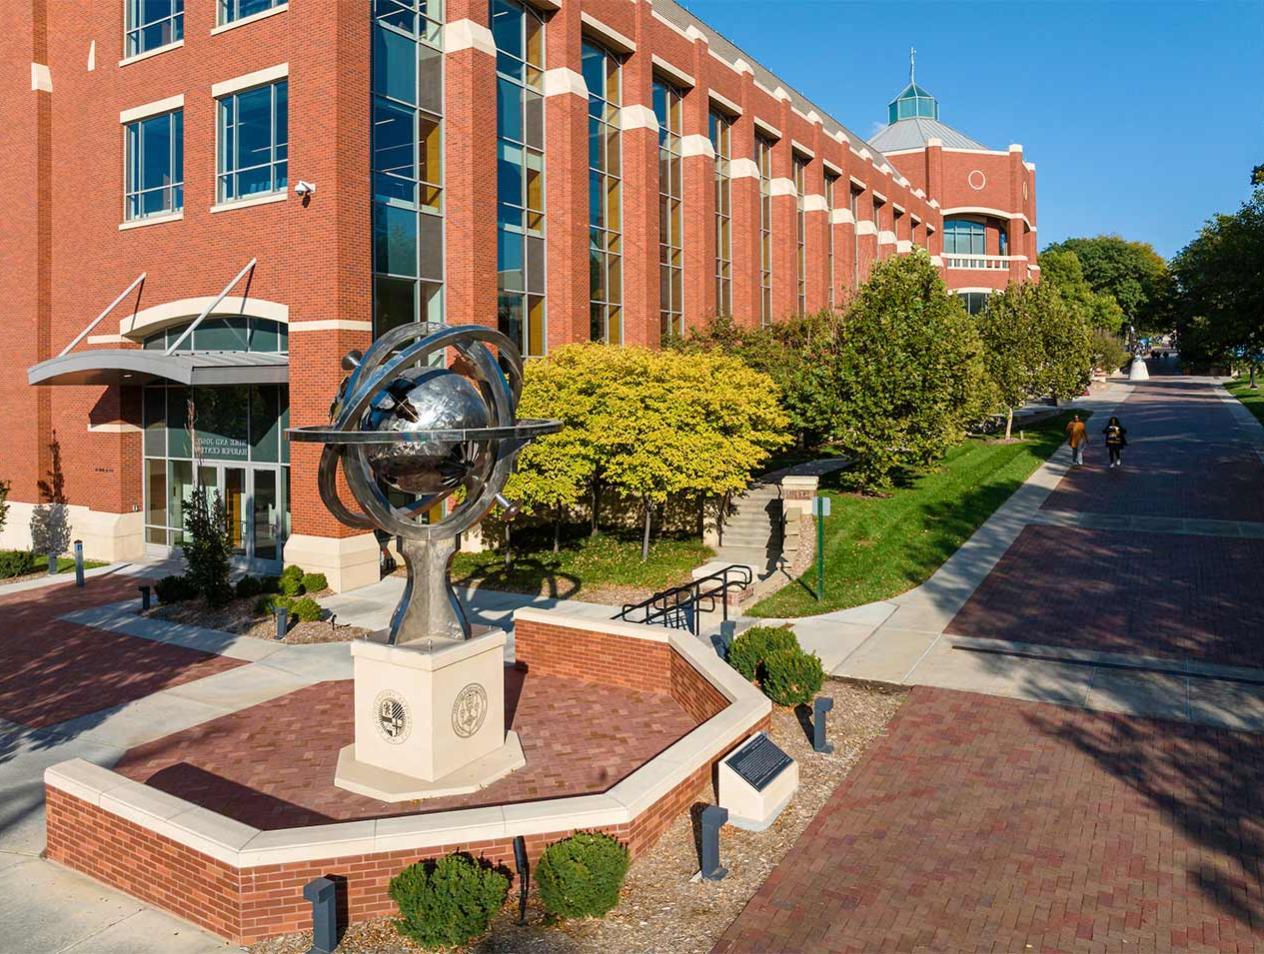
66 257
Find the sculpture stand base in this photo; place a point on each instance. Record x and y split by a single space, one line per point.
429 719
1138 371
388 786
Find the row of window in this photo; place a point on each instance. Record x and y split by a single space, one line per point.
152 24
251 156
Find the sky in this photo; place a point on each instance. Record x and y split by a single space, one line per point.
1143 119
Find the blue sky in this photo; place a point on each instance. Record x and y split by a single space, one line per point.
1142 118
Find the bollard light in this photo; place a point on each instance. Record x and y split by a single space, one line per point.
713 819
524 877
78 563
144 598
820 706
323 894
282 621
53 560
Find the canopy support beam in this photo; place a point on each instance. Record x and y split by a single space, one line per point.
211 307
101 317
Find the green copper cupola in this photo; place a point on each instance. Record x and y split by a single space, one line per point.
913 101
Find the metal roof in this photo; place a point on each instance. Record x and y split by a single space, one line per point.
105 366
731 52
913 133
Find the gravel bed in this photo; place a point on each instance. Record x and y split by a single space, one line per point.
664 911
239 617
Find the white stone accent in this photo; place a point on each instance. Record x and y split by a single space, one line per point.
92 56
1015 147
468 35
802 149
743 67
934 141
865 227
258 78
724 101
903 247
755 810
831 167
637 117
696 145
696 35
937 261
562 80
781 94
112 537
767 128
886 238
782 186
150 220
841 137
347 562
330 324
115 427
743 169
607 34
41 78
152 109
253 18
129 60
814 203
157 317
841 217
249 202
677 76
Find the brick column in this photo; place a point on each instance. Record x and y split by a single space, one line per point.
785 271
698 161
639 141
817 220
469 145
566 179
1017 228
746 251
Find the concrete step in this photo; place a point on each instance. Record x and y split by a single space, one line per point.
750 539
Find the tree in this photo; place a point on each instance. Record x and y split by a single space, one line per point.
4 502
1133 273
50 520
1012 349
207 545
1062 270
911 372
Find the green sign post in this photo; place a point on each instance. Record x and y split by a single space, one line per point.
820 510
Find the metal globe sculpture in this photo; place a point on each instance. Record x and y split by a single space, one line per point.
407 433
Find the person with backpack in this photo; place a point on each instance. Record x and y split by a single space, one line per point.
1116 440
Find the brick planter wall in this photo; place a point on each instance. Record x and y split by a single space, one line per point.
100 823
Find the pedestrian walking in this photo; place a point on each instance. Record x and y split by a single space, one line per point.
1116 440
1077 437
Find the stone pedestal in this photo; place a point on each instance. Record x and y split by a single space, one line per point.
1138 370
429 719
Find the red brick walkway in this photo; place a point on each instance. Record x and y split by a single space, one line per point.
272 765
987 824
51 671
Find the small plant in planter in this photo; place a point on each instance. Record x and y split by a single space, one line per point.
580 876
751 648
449 902
792 677
306 609
174 589
315 582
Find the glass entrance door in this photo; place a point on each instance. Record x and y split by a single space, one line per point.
235 502
266 507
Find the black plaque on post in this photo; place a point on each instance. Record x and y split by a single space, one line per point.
758 762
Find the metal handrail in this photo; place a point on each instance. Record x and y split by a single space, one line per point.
681 606
101 317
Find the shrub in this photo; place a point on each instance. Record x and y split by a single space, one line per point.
16 563
269 603
207 546
315 582
792 677
174 589
306 609
581 876
751 648
247 586
269 584
292 573
449 902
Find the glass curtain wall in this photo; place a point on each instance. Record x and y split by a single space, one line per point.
801 230
668 109
831 191
853 204
407 151
721 128
763 159
602 75
520 256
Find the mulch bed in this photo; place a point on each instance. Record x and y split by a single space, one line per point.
239 617
662 908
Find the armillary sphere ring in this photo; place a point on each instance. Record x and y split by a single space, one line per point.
493 447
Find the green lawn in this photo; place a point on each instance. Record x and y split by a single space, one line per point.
878 547
1254 400
605 567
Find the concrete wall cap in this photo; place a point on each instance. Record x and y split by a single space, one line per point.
563 620
562 80
673 73
607 34
417 655
407 832
865 227
637 116
743 67
767 128
461 35
842 217
725 102
696 144
288 845
696 35
782 186
815 203
934 141
743 168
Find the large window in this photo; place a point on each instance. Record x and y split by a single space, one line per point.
602 75
151 24
831 191
963 237
154 160
801 231
671 244
232 10
407 149
853 204
520 254
763 159
974 302
721 128
253 142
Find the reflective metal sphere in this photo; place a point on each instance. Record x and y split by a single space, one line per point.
426 399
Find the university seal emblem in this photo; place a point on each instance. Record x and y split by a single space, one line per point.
469 710
393 723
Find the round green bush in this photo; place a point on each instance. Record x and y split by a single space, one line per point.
291 585
792 677
268 604
449 902
580 876
269 584
306 609
247 586
292 572
749 650
16 563
174 589
315 582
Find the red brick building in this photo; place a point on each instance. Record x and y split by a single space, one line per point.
243 196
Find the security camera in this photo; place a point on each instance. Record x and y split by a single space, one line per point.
305 188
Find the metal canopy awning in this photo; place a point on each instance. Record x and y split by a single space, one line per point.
142 366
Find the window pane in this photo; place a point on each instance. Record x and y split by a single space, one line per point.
394 240
394 302
394 65
253 128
